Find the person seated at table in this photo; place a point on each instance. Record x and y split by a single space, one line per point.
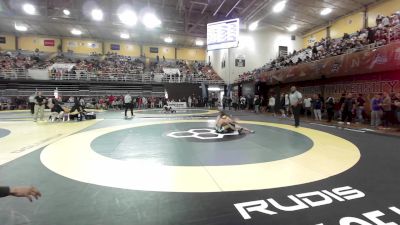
225 124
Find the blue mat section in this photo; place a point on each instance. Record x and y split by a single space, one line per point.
4 132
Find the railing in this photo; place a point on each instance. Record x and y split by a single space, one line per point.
22 74
14 74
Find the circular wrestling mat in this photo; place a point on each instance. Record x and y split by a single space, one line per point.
179 112
187 156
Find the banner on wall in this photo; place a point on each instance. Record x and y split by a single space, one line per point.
153 50
386 58
2 40
49 43
62 66
115 47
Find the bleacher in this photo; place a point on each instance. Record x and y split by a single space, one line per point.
365 39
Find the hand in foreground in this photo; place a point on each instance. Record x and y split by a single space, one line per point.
28 192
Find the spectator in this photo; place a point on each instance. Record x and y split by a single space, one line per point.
360 108
329 105
386 108
271 104
317 107
376 112
347 109
307 106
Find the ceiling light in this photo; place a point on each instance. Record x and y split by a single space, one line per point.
76 32
168 40
151 21
66 12
124 35
214 89
199 43
326 11
278 7
128 17
20 27
29 8
292 28
97 14
253 26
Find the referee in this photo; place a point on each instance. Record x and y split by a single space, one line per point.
295 99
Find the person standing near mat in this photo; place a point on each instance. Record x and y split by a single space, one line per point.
32 103
39 106
295 99
128 104
28 192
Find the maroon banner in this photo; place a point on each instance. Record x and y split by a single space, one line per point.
49 42
383 59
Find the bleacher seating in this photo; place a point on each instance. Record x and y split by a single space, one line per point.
387 30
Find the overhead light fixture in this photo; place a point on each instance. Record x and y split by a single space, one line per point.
76 32
292 28
128 17
150 20
253 26
97 14
168 40
20 27
29 8
278 7
125 36
66 12
199 43
326 11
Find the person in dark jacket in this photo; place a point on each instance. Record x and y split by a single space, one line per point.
28 192
77 111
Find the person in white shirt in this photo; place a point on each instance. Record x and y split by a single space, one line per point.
128 104
144 102
189 102
271 104
295 98
287 105
307 106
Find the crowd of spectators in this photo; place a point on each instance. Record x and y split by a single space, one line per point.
381 111
21 60
387 29
110 67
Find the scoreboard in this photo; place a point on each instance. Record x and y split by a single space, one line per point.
223 34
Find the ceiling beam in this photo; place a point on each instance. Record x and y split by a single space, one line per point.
254 13
205 16
248 7
219 7
237 3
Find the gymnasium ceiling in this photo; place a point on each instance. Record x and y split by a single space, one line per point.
184 20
